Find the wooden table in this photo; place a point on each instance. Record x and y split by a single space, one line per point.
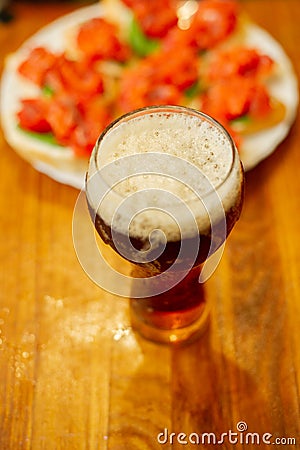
73 375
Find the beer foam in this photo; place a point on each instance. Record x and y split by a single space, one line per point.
184 137
185 157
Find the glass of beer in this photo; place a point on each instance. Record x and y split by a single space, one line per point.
164 189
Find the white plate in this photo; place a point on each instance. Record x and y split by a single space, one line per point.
284 87
60 163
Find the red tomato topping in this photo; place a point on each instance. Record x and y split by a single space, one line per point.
213 22
78 125
77 77
61 74
97 39
155 82
73 113
155 17
179 69
260 105
137 93
94 118
247 62
236 97
62 117
37 65
74 125
32 115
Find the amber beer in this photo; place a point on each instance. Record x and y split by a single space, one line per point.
164 189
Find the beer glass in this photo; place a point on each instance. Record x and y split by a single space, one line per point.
164 189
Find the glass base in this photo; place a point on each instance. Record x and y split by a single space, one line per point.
184 334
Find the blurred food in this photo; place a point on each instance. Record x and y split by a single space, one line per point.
127 54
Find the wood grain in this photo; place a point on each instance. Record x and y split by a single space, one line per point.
73 375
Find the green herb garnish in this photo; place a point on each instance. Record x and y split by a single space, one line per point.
193 90
139 42
48 138
240 122
242 119
47 91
